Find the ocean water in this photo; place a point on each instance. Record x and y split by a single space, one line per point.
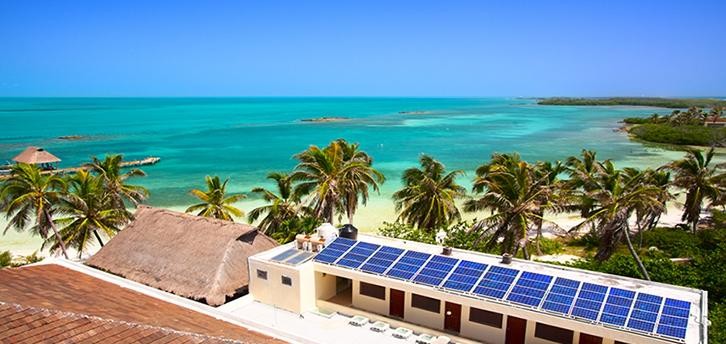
245 138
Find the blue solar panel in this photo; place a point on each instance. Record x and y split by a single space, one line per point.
437 268
357 255
674 318
496 282
645 312
465 276
284 255
589 301
408 265
561 295
333 251
529 288
617 307
382 260
300 258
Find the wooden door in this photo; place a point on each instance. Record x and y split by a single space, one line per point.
589 339
396 303
452 317
516 330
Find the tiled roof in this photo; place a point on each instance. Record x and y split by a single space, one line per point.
58 289
20 324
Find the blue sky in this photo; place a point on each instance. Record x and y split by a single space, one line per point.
366 48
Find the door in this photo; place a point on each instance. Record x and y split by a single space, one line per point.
516 330
589 339
452 317
396 303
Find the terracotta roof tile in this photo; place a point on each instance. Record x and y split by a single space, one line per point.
50 303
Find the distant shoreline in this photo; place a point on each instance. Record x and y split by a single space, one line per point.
325 119
669 103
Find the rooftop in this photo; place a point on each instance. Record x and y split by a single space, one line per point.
43 296
36 155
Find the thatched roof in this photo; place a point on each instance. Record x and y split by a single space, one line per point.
35 155
190 256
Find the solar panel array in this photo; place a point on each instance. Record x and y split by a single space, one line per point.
609 306
292 256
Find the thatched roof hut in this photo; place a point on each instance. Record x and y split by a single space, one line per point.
195 257
36 155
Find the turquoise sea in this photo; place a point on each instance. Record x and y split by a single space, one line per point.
245 138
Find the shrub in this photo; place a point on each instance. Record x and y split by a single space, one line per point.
546 245
5 259
680 135
674 242
717 330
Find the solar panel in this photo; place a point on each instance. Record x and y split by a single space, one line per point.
408 265
617 306
465 276
645 312
496 282
300 258
529 288
357 255
382 260
333 251
284 255
674 318
589 300
561 295
437 268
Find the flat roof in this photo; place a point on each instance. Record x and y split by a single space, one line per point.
695 329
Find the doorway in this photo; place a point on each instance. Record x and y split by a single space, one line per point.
589 339
516 330
397 303
452 317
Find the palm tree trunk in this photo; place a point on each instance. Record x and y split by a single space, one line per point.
98 237
57 235
643 271
539 232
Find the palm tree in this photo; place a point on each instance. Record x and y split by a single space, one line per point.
516 194
617 196
115 181
29 193
428 197
700 180
557 196
337 177
88 209
582 173
282 206
648 218
215 201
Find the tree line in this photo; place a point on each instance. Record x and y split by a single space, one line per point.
335 180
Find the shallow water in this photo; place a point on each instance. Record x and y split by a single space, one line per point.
245 138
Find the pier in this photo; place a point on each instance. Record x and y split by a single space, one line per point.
152 160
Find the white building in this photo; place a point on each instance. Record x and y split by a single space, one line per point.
473 296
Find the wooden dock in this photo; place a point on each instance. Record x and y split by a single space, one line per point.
152 160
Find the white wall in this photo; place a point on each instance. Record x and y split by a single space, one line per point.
481 332
273 292
368 303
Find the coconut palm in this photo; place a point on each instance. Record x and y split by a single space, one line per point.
557 197
336 177
215 201
647 219
86 209
282 206
582 173
116 181
30 194
429 194
701 181
618 195
516 194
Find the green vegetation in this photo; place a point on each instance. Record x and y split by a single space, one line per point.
215 202
5 259
90 203
681 127
673 103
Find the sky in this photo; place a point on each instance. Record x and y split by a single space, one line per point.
365 48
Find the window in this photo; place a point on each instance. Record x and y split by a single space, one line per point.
554 334
372 290
425 303
483 317
261 274
286 280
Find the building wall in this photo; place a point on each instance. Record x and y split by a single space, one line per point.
324 286
272 292
368 303
469 329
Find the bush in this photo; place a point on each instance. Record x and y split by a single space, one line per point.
636 120
717 330
547 246
680 135
674 242
5 259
